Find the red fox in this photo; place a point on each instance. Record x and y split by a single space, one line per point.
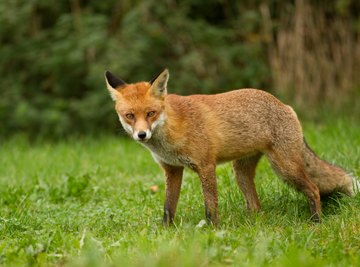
199 131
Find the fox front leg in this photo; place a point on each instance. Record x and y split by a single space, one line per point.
207 177
173 179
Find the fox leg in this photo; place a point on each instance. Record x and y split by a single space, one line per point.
173 176
207 177
245 172
291 168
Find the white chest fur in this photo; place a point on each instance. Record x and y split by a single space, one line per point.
163 151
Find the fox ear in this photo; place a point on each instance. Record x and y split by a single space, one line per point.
112 83
159 84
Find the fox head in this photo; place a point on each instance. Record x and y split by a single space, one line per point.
140 106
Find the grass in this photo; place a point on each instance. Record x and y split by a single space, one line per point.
87 202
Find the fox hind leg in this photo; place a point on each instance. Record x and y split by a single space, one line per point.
291 168
245 173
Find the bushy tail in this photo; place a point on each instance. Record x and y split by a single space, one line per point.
328 177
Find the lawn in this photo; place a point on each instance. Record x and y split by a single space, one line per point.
87 202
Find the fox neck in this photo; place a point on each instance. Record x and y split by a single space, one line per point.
165 147
166 131
159 129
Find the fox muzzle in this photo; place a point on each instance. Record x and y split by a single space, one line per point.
142 135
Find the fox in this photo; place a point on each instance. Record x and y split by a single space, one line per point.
200 131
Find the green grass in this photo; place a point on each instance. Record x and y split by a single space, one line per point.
87 202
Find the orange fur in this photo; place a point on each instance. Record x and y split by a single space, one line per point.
199 131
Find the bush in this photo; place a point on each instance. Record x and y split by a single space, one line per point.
53 55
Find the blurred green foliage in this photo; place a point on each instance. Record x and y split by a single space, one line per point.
53 55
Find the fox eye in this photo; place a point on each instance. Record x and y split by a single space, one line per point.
129 116
151 113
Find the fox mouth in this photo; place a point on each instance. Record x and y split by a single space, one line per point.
145 140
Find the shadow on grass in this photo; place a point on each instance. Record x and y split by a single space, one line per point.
334 204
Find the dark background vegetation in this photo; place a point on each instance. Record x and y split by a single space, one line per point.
53 55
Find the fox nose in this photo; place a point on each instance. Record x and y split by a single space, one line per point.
142 135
